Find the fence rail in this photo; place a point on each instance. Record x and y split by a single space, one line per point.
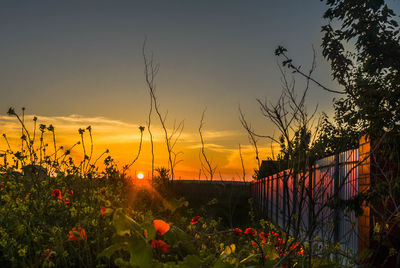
285 196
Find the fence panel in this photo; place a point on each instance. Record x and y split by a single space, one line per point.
278 196
348 228
304 208
323 187
280 215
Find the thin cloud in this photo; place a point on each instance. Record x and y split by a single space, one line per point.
122 138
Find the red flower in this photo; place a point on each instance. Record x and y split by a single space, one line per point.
56 193
76 234
300 252
275 234
250 232
70 192
102 192
195 220
160 245
263 235
2 187
50 254
103 210
237 231
294 246
161 226
67 200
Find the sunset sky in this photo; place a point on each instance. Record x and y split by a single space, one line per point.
79 63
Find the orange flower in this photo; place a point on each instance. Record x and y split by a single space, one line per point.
77 234
161 226
195 220
103 210
160 245
250 232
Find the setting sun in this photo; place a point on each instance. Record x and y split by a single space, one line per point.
140 176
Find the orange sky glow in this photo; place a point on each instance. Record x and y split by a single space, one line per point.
122 139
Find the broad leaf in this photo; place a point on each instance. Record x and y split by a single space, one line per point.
141 254
125 224
108 252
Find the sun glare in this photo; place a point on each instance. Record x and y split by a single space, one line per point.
140 176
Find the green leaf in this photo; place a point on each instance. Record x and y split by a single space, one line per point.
124 224
270 251
174 204
325 263
150 231
141 254
221 264
269 263
176 236
190 261
229 250
123 264
108 252
251 257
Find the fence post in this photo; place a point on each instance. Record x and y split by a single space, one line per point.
311 204
277 200
295 199
364 179
285 189
263 197
271 184
259 194
267 198
336 184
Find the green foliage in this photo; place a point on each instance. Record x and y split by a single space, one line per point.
161 181
334 138
54 213
369 70
33 221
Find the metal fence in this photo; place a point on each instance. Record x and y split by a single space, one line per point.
285 196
